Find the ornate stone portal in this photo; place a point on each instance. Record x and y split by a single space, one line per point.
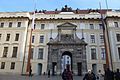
67 43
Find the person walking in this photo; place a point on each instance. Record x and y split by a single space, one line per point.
30 72
117 75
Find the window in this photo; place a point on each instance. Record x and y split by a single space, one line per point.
103 55
92 38
17 37
8 37
2 65
10 24
93 53
40 53
32 52
116 24
91 26
0 36
14 55
101 38
42 26
41 39
118 37
100 26
5 52
119 52
19 24
12 65
33 39
2 25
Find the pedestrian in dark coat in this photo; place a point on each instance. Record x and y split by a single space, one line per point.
89 76
109 75
64 74
117 75
48 73
69 75
30 72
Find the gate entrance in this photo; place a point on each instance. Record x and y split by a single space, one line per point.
65 49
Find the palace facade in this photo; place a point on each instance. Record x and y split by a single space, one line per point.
60 37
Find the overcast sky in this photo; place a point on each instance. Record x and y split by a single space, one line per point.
28 5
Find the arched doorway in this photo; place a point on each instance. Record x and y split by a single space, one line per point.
66 59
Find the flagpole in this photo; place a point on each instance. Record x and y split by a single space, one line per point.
30 42
105 38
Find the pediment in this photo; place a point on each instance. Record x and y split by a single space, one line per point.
67 24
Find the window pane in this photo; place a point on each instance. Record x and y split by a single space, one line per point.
0 36
103 55
5 52
92 38
2 65
100 26
118 37
14 52
17 37
33 39
101 38
91 26
41 39
10 24
119 52
19 24
116 24
2 25
42 26
12 65
8 37
93 53
40 53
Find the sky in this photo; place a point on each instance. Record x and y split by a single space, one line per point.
29 5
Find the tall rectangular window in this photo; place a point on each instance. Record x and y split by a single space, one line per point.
41 39
101 38
17 37
5 51
40 53
2 65
119 52
15 49
33 38
10 24
103 55
42 26
91 26
118 37
12 65
116 24
92 37
19 24
8 37
100 26
0 36
93 53
32 52
2 25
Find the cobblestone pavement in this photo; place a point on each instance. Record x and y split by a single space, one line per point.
35 77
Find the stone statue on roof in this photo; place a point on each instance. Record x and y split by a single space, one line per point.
66 9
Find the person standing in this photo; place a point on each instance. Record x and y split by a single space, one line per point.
117 75
69 75
109 75
64 74
30 72
89 76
